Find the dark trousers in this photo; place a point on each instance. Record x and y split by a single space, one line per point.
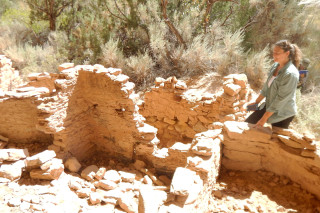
257 115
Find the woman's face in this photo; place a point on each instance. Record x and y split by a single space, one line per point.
280 56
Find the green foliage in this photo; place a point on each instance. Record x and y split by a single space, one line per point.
48 10
5 5
225 37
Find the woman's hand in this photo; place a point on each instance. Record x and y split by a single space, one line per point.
260 123
263 120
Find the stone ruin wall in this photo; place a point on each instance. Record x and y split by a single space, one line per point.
18 118
84 109
9 77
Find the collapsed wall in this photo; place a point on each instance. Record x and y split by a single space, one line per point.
84 109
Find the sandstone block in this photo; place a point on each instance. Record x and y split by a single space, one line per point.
180 147
287 141
241 80
165 180
127 176
209 134
158 81
181 85
215 125
100 173
231 89
65 66
40 158
53 173
74 185
147 132
128 204
95 198
182 181
203 146
10 172
308 153
114 71
83 193
50 163
112 175
107 184
113 194
89 172
244 131
150 200
308 137
13 154
72 164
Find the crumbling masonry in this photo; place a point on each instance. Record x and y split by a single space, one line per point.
84 109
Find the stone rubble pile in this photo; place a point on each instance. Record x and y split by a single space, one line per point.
40 166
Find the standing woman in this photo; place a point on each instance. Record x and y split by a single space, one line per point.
279 89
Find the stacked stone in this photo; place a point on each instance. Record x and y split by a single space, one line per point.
306 143
12 163
9 77
43 79
206 148
203 162
41 166
178 113
236 94
284 152
73 86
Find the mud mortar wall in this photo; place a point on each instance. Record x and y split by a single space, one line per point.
104 114
18 119
179 114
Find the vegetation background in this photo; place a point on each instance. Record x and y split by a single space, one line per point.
149 38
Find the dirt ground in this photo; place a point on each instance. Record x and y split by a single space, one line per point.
260 191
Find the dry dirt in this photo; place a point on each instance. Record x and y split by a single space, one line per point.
260 191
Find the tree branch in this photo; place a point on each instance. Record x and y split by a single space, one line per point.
60 9
170 25
120 10
209 6
227 16
114 14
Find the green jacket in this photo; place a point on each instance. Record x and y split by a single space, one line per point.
281 95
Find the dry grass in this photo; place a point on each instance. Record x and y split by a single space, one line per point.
308 117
